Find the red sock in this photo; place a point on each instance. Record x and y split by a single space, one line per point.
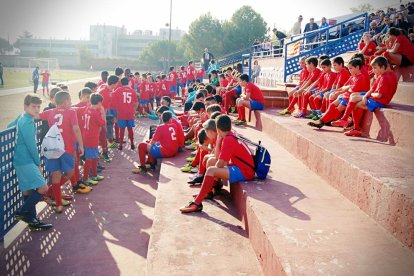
357 115
116 131
86 169
102 139
94 167
57 193
305 101
196 160
242 113
76 174
324 105
311 102
121 135
317 101
292 103
332 114
142 152
131 135
206 187
349 108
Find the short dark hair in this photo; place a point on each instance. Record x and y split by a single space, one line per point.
61 97
85 91
197 106
209 99
380 61
214 115
312 60
202 136
112 79
162 109
91 85
124 81
223 122
104 75
53 92
213 108
190 62
359 56
166 116
209 89
356 62
339 60
171 68
245 78
96 98
326 62
167 99
394 31
32 99
190 90
210 124
323 57
119 71
199 95
219 99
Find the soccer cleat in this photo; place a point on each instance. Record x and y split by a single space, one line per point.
353 132
190 159
196 180
188 142
192 207
193 153
67 197
106 157
58 209
310 116
233 109
113 145
194 170
318 125
81 189
36 224
300 115
132 146
140 170
285 112
190 147
236 121
90 182
317 117
241 123
340 123
186 168
21 217
98 178
64 202
120 147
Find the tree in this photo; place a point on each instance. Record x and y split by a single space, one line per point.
204 32
245 26
156 54
26 34
43 53
4 45
362 8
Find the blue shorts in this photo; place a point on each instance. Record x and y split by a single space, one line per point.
343 101
173 89
182 85
45 84
235 175
322 94
313 90
63 164
143 101
157 99
189 82
112 112
255 105
371 103
238 90
126 123
91 153
155 151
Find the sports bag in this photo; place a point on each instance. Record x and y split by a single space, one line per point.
53 145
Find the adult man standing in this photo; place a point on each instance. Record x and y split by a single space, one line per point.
35 78
1 74
309 27
207 57
278 39
297 28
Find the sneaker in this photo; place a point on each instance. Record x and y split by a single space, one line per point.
64 202
310 116
196 180
317 117
300 115
58 209
67 197
21 217
194 170
106 157
285 112
315 124
340 123
241 123
353 132
236 121
193 153
186 168
190 159
192 207
132 146
81 190
113 145
233 109
120 147
188 142
36 224
98 178
90 182
140 170
190 147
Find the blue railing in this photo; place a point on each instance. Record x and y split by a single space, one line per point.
11 198
232 58
346 40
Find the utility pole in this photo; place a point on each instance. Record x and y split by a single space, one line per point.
169 40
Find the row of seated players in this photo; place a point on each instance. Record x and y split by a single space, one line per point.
346 92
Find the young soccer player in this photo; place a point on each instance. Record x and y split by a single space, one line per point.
126 102
234 163
26 162
252 99
402 51
183 79
93 120
104 78
61 169
342 76
191 73
45 82
163 144
173 79
167 102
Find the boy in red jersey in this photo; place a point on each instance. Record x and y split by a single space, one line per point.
165 86
93 120
173 78
180 131
235 163
355 84
304 73
125 102
367 46
45 82
200 74
252 98
183 79
163 144
191 72
342 77
402 51
380 94
61 169
104 78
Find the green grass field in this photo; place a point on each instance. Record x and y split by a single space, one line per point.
18 77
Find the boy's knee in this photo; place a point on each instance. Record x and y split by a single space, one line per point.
210 171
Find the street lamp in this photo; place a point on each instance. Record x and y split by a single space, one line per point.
169 39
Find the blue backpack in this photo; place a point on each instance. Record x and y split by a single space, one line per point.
261 158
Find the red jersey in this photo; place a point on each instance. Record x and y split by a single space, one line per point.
329 79
100 83
314 75
406 47
190 72
321 80
106 94
144 88
66 119
386 85
235 152
255 92
180 132
124 99
173 77
45 77
166 135
371 49
341 78
90 126
224 82
200 73
156 90
165 88
358 83
183 77
303 76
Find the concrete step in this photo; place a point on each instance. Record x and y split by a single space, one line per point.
404 94
276 102
206 243
274 92
299 225
373 175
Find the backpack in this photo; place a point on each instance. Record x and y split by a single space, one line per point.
53 145
261 158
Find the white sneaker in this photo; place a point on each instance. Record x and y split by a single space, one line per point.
194 170
195 176
193 153
190 147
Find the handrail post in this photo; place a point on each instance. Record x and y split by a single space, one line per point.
285 60
250 61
